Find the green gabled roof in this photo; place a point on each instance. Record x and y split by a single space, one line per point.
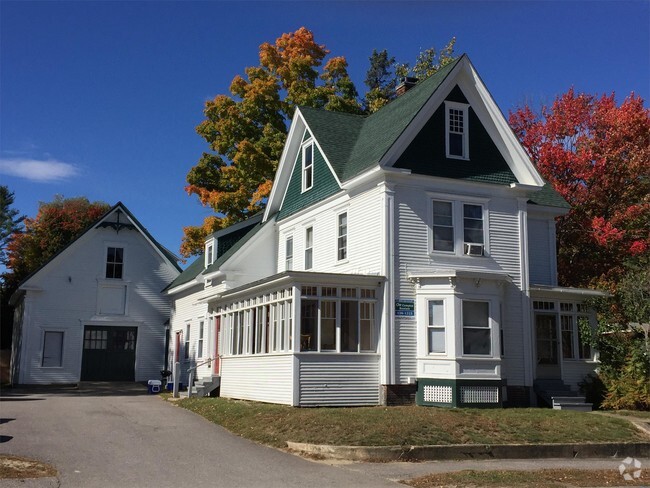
191 272
548 197
354 143
235 247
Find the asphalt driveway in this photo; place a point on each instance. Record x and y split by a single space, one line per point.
118 435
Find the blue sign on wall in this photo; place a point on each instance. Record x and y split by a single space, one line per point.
405 308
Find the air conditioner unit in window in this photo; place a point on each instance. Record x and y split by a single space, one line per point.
473 249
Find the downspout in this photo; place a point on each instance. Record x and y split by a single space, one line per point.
525 293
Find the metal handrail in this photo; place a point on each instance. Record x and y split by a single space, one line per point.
190 379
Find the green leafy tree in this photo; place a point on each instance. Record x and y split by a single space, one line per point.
10 220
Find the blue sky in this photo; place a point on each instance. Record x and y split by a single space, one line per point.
100 99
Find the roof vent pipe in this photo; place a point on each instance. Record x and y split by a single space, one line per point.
405 84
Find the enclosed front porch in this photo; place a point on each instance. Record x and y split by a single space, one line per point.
302 339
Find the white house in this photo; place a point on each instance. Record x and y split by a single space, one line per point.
406 253
95 311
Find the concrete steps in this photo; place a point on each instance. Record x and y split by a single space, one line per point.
204 386
558 395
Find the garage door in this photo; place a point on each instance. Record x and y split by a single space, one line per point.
109 353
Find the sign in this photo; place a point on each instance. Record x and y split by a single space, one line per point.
405 308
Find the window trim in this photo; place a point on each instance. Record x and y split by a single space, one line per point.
458 222
307 169
288 258
429 326
199 339
490 328
464 108
340 236
54 331
309 248
186 341
107 262
209 252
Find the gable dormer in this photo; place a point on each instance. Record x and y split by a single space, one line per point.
210 244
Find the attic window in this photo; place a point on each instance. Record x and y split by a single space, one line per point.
307 166
457 130
209 254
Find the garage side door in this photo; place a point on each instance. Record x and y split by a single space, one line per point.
109 353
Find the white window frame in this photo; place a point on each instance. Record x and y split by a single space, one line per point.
307 169
458 216
430 326
464 109
288 258
62 335
493 350
199 340
209 252
309 248
186 342
106 261
340 236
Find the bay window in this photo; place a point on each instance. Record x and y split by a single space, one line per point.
436 327
477 333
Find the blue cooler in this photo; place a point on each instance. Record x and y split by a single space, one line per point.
154 386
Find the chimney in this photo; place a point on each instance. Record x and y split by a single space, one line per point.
405 85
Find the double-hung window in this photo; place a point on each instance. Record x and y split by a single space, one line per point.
309 247
187 341
457 130
114 262
288 253
458 228
477 333
574 324
436 327
307 166
199 345
342 240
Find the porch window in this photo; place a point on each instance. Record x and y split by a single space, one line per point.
436 327
366 325
308 325
477 335
349 327
575 322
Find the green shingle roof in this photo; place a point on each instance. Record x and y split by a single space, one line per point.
548 197
191 272
354 143
235 247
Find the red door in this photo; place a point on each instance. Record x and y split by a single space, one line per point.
217 360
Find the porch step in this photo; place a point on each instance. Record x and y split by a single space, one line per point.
204 386
560 396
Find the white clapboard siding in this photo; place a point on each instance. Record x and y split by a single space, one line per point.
339 379
69 300
267 378
364 236
539 252
574 372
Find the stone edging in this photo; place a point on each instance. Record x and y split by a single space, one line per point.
472 451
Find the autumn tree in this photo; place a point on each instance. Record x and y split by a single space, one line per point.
10 220
56 224
246 130
596 154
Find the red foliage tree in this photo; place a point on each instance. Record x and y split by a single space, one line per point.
56 224
597 156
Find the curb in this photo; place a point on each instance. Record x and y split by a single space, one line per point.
472 451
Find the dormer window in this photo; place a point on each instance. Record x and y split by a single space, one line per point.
307 165
457 130
209 253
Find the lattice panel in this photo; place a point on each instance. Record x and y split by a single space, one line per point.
479 394
437 394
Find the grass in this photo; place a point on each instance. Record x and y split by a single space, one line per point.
15 467
640 414
410 425
544 478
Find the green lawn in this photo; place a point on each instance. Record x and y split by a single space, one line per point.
411 425
631 413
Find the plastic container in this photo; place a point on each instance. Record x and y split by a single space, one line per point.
154 386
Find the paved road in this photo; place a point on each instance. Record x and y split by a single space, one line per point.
102 436
137 440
